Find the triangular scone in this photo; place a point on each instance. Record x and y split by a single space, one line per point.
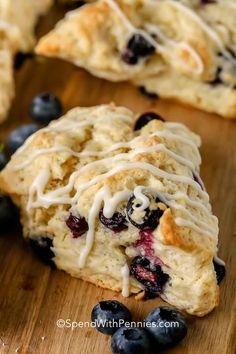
98 33
126 40
93 37
119 206
23 14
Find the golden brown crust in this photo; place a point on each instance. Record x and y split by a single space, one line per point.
40 183
185 49
173 235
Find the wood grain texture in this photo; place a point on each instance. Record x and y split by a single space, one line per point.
33 297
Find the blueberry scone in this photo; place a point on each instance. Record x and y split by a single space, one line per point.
183 49
116 199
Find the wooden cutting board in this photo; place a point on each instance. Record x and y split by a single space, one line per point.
33 297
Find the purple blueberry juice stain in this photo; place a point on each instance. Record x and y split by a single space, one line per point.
145 246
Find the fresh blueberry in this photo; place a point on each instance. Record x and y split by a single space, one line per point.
149 275
45 107
145 118
130 341
148 94
220 271
116 223
19 135
42 248
151 217
77 224
166 327
3 160
137 47
8 213
109 316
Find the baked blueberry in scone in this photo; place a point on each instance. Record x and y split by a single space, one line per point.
119 206
180 49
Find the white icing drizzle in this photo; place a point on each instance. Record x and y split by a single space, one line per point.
159 48
131 27
205 27
186 223
161 147
211 33
125 276
138 193
191 202
208 229
182 139
103 198
38 187
144 201
184 45
93 213
51 198
110 203
219 260
157 147
119 12
58 126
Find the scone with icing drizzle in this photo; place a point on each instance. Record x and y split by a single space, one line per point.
116 199
180 49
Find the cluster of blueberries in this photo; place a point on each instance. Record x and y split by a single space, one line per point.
161 329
